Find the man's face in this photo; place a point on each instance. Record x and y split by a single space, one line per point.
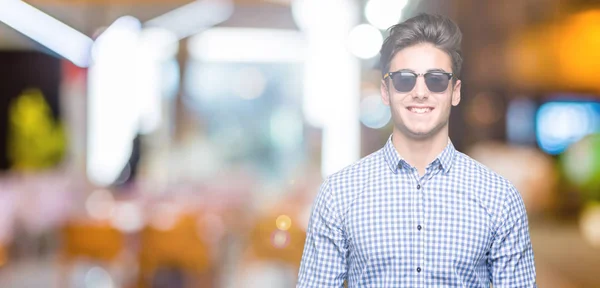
420 113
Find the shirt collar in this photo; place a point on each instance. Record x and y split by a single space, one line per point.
395 161
447 156
391 155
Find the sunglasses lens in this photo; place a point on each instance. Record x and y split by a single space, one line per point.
437 82
404 82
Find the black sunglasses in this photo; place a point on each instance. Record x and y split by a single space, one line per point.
405 81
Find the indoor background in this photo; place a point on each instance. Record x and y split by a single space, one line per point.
173 143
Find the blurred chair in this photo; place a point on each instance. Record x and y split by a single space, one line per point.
269 243
274 251
175 256
88 241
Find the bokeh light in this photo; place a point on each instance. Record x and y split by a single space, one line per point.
560 124
589 224
581 164
365 41
374 113
283 222
280 239
127 217
311 15
164 216
100 204
384 13
97 277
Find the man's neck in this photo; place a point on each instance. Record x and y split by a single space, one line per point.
420 152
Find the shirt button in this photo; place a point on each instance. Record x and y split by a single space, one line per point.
419 227
418 186
419 269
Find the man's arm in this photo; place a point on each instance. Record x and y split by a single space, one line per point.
325 250
511 259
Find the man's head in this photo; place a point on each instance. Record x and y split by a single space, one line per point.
421 61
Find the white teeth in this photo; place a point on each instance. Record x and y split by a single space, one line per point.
420 110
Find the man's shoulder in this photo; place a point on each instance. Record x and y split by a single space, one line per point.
480 173
357 170
345 184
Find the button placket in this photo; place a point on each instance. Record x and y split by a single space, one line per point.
420 195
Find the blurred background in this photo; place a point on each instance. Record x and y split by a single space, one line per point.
155 143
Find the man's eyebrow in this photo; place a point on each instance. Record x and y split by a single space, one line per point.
436 70
429 70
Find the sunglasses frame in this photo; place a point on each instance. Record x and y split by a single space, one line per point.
391 75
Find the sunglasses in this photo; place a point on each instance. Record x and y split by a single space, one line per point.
405 81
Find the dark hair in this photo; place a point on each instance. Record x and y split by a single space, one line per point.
438 30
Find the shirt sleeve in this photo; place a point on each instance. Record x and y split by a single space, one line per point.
511 256
325 250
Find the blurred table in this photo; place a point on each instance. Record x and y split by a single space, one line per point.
563 259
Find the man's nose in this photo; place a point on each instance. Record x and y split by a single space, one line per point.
421 90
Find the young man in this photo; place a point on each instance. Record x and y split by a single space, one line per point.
418 213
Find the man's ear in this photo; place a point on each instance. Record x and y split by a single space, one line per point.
456 93
385 95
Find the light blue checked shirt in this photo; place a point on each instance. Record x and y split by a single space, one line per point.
377 223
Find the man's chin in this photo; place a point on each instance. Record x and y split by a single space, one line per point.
417 134
419 131
420 135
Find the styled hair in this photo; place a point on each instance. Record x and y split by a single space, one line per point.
437 30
